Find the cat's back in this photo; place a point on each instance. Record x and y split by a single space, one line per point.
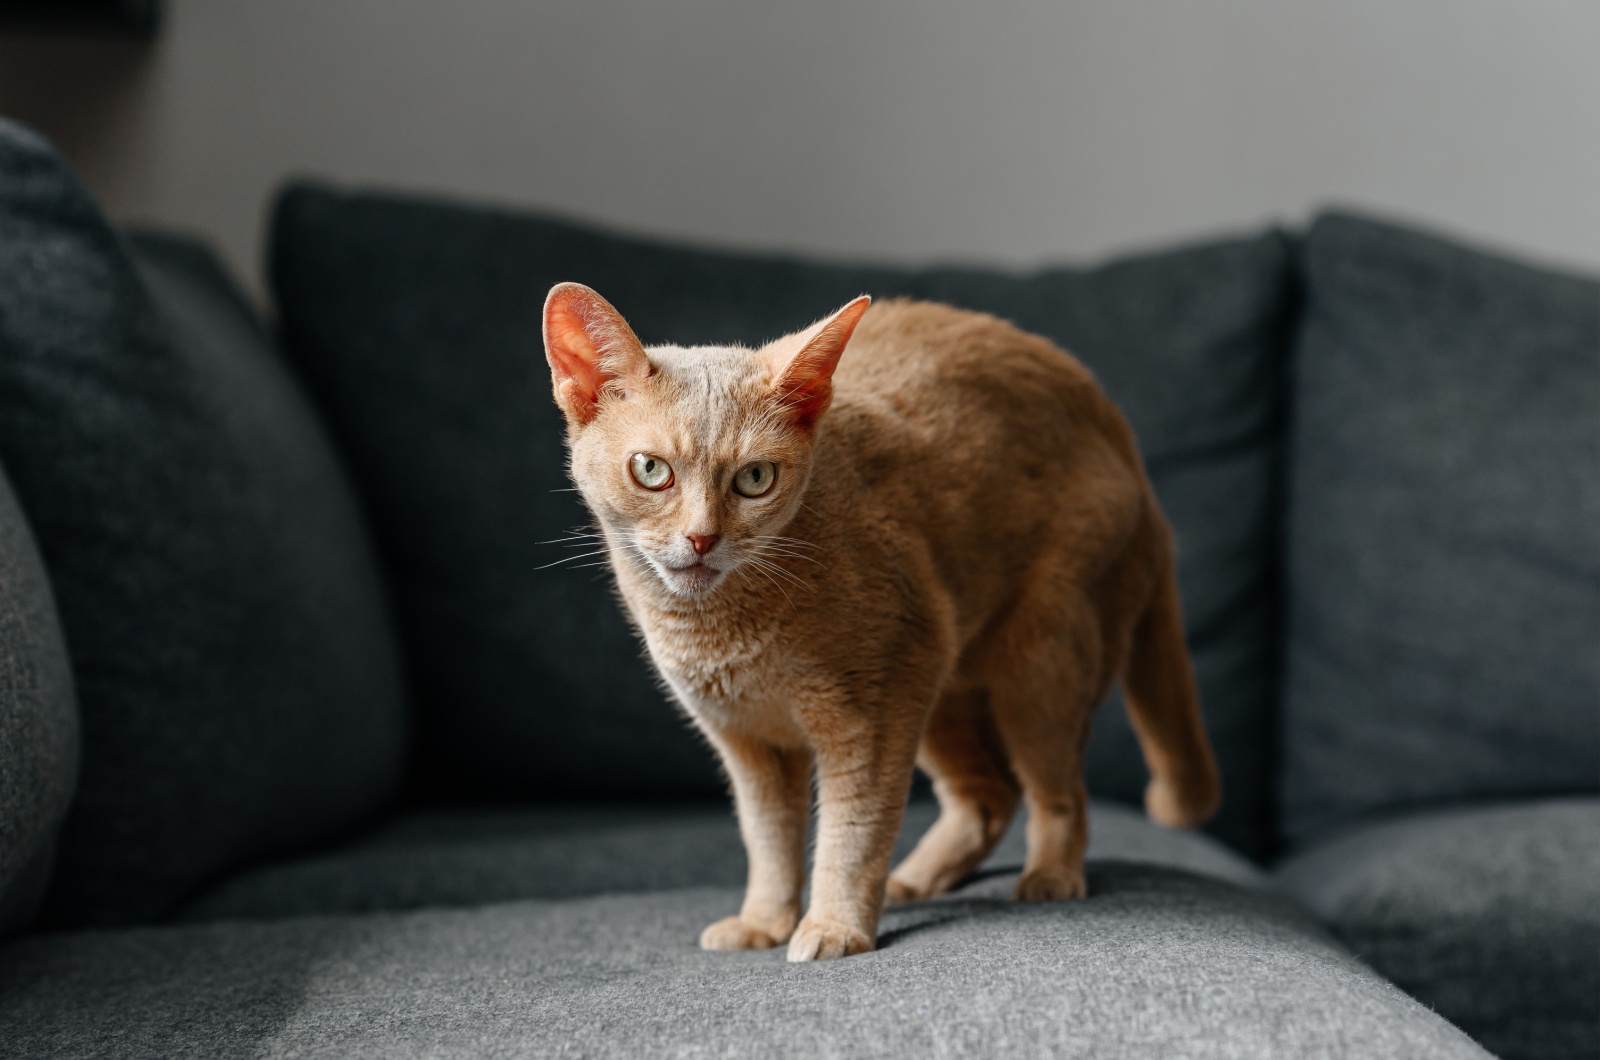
936 370
988 445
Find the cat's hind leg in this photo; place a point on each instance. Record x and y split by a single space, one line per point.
1043 688
962 751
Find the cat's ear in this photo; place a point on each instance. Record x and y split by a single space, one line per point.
803 363
590 349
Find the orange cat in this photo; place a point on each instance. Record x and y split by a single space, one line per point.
938 551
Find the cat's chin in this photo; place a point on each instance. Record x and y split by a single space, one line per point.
691 581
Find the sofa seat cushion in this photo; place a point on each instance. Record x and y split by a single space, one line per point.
416 325
470 857
1491 915
1155 963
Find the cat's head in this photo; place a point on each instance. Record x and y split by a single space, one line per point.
695 458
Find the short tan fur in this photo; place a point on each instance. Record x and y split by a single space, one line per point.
909 535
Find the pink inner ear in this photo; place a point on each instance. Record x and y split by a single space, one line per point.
572 355
805 386
805 395
579 326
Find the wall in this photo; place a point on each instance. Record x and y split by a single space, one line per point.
1010 130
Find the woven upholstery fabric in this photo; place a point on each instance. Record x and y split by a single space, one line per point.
235 665
472 856
38 720
1490 915
1443 557
1154 963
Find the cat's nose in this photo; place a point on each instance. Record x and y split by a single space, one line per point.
703 543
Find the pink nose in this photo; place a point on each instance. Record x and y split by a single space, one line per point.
703 543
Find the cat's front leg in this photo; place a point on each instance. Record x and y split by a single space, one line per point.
772 797
863 776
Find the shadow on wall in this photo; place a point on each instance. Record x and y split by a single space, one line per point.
89 93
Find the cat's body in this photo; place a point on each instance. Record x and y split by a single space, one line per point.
948 566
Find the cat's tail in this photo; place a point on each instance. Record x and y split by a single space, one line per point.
1164 705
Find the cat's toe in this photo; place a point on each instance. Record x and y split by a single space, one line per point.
820 940
736 933
1039 885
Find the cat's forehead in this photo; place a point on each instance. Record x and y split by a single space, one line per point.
704 408
706 368
709 389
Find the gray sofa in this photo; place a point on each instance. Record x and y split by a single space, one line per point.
306 749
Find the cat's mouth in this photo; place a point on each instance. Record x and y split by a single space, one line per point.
697 577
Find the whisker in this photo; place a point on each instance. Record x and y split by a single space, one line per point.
570 559
769 578
574 533
780 538
778 544
778 557
792 580
780 550
584 538
774 550
773 568
768 575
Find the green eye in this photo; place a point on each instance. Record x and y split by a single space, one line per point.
755 479
649 471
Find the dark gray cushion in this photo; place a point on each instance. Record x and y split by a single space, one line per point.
1444 562
1490 915
472 856
38 720
417 326
1155 963
234 660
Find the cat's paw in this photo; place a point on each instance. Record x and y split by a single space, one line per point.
820 940
1172 807
1040 885
737 933
897 892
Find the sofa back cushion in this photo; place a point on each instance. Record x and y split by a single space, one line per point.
417 326
1444 528
38 720
239 683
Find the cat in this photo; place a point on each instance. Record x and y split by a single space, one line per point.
936 552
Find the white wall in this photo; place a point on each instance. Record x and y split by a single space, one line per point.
1009 130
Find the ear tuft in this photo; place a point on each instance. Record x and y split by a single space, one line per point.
804 363
589 347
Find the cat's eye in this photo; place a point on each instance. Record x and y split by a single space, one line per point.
755 479
650 471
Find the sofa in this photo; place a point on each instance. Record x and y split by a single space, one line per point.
316 740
